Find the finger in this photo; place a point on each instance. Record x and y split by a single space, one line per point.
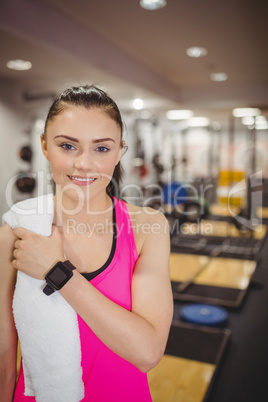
20 232
17 243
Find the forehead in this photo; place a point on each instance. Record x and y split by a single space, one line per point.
80 118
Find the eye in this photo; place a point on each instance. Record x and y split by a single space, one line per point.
102 149
67 147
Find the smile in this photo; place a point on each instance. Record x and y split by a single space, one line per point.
81 180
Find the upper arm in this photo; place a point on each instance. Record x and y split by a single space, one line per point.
8 334
151 287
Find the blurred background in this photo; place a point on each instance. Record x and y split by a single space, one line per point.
201 58
191 80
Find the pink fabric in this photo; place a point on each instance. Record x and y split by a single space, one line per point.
108 377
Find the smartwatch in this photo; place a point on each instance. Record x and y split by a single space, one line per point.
58 276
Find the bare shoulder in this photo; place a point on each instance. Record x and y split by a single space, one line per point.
146 213
7 237
149 225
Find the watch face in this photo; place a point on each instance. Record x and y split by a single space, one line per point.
58 276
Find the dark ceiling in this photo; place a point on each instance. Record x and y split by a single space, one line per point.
138 53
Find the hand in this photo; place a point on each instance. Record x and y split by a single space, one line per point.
35 255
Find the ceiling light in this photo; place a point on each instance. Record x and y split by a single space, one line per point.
196 51
19 65
263 125
219 77
259 122
248 120
152 4
260 119
138 104
198 122
179 114
246 111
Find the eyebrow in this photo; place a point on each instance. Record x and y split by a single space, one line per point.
103 140
96 141
67 138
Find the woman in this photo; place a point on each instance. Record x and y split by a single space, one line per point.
92 329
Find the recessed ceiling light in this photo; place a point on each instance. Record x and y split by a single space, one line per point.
196 51
246 111
179 114
138 104
198 122
219 77
152 4
19 65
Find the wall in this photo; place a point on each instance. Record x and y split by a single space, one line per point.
17 118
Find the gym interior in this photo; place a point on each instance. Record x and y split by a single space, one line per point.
191 81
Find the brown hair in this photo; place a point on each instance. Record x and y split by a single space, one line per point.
90 96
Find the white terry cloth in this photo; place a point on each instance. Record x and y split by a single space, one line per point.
47 325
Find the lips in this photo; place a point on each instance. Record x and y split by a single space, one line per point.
82 181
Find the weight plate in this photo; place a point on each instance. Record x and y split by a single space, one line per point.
204 314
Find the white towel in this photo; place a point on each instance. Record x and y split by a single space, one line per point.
47 325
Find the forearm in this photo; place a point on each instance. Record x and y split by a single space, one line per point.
127 334
8 333
7 384
8 366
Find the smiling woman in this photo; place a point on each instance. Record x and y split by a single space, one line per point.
93 303
89 105
83 147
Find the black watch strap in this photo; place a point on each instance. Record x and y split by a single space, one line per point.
69 265
48 290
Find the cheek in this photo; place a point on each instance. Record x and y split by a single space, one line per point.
59 163
106 164
105 168
108 169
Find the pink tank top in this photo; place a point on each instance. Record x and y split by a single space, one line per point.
106 376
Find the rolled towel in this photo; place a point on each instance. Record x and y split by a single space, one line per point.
47 325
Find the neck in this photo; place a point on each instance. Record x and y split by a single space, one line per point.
87 210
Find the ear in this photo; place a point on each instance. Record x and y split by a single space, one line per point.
120 152
44 146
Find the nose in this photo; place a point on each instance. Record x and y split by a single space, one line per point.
84 162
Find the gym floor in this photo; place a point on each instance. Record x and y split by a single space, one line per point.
241 373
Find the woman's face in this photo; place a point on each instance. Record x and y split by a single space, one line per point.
83 147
